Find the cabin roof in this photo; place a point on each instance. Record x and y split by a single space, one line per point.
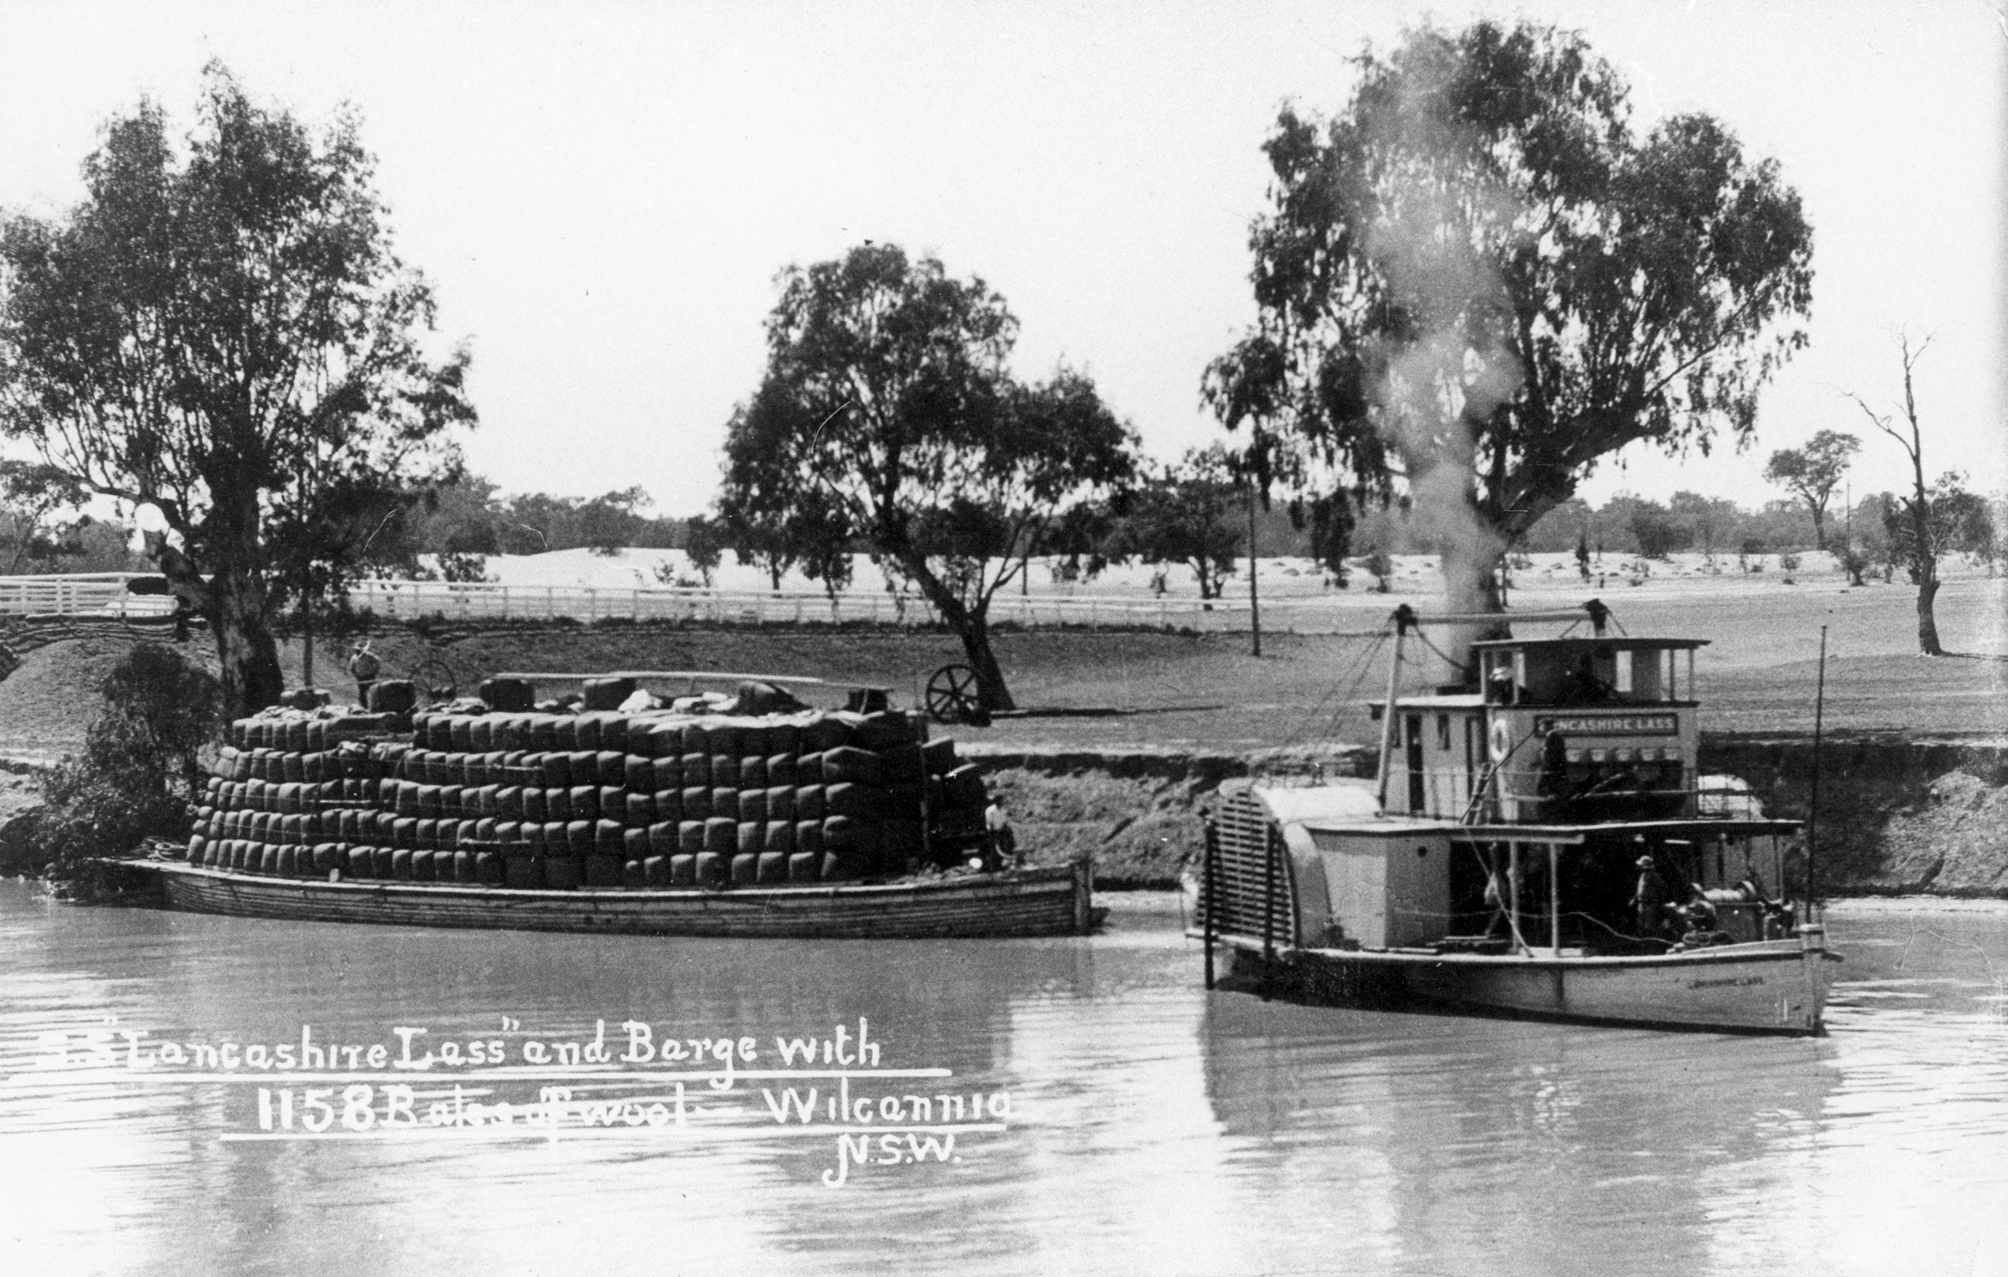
1440 700
1593 643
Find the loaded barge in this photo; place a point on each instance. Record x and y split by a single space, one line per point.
1538 844
753 815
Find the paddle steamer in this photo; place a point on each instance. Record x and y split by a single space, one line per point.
1537 843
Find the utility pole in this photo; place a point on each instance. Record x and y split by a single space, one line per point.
1254 604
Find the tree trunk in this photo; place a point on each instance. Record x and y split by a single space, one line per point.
1927 620
246 650
972 627
1819 528
991 691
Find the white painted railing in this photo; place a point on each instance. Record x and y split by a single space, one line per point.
107 595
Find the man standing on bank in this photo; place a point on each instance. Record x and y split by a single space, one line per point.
363 668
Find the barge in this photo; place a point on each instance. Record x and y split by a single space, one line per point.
1537 844
751 815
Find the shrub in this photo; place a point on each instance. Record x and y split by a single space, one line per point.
138 771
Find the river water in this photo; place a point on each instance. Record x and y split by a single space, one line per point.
1115 1117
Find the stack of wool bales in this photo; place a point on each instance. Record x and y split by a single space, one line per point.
595 799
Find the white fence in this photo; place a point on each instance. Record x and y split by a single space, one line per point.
108 595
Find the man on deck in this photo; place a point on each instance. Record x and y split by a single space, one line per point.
1648 898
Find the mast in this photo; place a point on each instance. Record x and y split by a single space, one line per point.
1813 804
1404 616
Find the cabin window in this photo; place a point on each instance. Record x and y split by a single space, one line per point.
1443 732
1623 680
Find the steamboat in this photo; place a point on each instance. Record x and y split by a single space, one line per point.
1537 844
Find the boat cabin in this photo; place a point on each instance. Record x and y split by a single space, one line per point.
1557 730
1318 867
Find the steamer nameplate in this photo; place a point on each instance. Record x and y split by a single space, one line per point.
1608 724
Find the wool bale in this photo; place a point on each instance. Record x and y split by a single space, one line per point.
884 730
713 869
690 836
725 771
683 871
400 863
860 802
465 867
638 773
509 838
665 740
745 869
544 733
849 765
288 863
668 804
753 772
607 693
668 774
585 801
488 869
809 836
771 868
422 865
523 873
903 764
843 866
695 769
778 836
579 837
558 804
563 873
616 733
964 787
660 838
612 803
810 802
781 802
904 802
460 733
721 835
534 805
609 838
804 866
655 871
357 863
513 695
785 769
481 734
640 811
753 805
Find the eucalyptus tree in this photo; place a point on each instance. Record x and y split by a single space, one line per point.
221 330
1813 472
887 417
1479 279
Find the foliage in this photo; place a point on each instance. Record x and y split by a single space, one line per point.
1477 280
137 774
1380 567
223 331
1185 513
30 496
1813 472
886 417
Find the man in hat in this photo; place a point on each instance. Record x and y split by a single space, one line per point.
363 668
1648 898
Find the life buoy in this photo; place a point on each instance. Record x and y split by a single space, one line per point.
1501 740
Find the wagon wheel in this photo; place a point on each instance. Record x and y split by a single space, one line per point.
434 682
951 695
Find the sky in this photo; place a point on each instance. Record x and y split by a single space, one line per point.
602 193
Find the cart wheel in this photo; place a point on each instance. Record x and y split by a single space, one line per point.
951 696
434 682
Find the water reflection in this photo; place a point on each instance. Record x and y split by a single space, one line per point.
1152 1127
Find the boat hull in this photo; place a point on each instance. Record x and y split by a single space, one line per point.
1769 987
1029 902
